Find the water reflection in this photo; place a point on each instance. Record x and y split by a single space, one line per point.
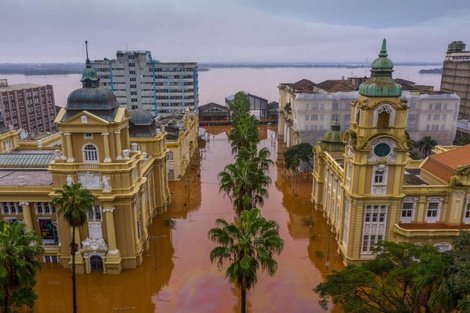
176 274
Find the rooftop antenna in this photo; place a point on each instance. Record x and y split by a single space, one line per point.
365 70
126 46
87 59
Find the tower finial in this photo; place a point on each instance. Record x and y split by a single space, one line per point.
87 59
383 50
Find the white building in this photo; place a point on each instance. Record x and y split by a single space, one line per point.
307 114
140 82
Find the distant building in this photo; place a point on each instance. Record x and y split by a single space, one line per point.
256 104
456 75
307 110
140 82
28 106
181 141
369 189
213 113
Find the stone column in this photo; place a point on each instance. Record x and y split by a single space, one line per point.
28 221
118 144
110 229
107 157
113 258
68 142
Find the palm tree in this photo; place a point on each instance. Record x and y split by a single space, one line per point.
18 263
244 133
244 183
425 145
261 159
73 203
247 246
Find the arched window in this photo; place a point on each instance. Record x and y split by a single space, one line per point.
90 153
358 115
384 116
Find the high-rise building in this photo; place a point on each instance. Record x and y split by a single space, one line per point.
456 75
140 82
30 107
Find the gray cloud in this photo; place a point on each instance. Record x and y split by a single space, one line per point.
230 31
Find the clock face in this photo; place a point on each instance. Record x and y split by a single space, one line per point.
382 150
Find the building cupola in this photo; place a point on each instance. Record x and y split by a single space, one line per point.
381 83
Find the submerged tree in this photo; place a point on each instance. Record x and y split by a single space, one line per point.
247 247
18 264
301 152
73 202
245 183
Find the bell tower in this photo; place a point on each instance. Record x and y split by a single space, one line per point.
375 156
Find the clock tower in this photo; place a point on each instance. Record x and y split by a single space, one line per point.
376 151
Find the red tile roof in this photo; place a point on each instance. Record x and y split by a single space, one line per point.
444 165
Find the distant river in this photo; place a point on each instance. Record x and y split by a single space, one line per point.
218 83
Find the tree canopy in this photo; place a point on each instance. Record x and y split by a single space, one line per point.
18 265
425 145
404 277
301 152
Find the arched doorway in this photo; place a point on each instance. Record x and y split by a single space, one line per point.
96 263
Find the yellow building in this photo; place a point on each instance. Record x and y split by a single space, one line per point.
373 191
181 141
120 157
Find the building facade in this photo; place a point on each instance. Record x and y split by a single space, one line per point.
182 135
306 113
119 156
456 75
372 191
30 107
140 82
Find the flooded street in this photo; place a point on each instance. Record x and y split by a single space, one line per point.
177 275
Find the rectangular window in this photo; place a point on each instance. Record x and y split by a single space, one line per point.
379 177
375 220
45 208
11 208
432 210
94 213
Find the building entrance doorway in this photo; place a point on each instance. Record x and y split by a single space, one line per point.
96 263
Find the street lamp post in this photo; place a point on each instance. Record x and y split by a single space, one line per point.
327 263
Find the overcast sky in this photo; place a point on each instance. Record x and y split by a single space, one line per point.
232 30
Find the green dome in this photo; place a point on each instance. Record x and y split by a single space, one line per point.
89 74
381 83
332 140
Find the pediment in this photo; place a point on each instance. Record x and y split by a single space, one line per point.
85 118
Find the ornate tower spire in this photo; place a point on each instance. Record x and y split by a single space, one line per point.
381 83
88 64
89 77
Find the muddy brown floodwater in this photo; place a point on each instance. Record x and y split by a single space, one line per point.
177 275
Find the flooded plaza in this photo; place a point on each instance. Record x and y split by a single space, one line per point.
177 275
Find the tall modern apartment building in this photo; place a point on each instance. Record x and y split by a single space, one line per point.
140 82
456 75
28 106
